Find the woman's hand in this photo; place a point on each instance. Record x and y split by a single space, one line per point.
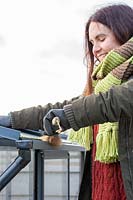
55 122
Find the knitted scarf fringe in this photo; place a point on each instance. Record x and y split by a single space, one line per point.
107 143
84 137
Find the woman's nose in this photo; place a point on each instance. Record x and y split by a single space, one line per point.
96 49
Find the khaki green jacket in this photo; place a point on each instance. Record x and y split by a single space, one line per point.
32 118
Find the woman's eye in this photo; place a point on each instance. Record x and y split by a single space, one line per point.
101 39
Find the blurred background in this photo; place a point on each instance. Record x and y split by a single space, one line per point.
42 50
41 61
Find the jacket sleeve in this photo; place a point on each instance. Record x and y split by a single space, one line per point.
31 118
100 108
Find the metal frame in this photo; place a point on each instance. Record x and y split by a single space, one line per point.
9 138
15 167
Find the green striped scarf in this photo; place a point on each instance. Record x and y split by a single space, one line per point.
103 80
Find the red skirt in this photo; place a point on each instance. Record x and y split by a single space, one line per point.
107 183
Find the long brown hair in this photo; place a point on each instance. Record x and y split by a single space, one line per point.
119 19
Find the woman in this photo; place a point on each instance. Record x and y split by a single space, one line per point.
105 30
109 28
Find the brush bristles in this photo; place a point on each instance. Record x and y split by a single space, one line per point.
52 140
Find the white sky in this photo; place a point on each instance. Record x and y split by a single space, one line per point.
41 50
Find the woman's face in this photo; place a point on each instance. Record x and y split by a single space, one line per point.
102 39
